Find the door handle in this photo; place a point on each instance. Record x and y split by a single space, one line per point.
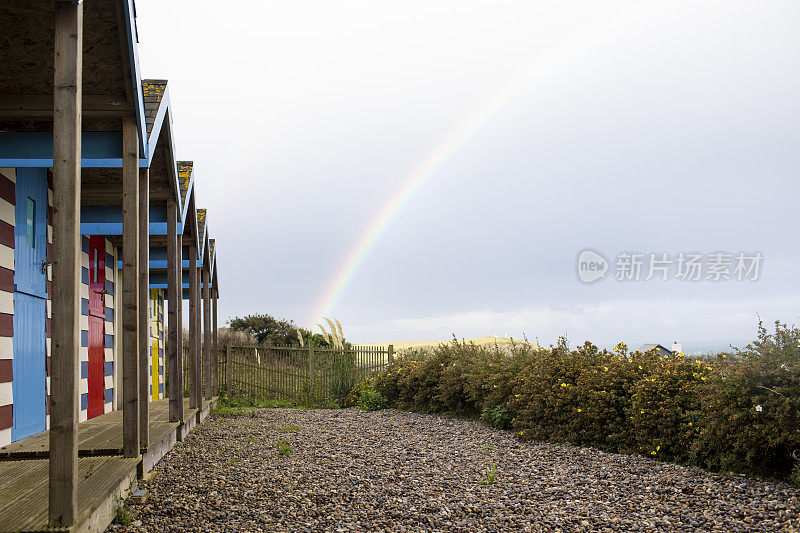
45 263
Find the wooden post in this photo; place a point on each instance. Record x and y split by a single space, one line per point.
207 338
173 297
130 288
215 348
179 330
65 341
199 337
144 308
228 372
310 364
194 398
390 355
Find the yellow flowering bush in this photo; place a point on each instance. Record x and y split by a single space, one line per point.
738 412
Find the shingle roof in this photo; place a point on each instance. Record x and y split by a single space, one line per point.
153 93
201 223
184 178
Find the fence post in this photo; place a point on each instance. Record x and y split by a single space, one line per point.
390 354
310 366
228 372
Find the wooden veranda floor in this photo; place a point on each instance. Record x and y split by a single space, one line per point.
102 471
102 435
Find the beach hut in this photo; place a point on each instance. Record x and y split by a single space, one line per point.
89 185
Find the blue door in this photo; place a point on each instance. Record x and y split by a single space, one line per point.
30 301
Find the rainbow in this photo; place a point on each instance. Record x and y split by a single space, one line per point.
456 138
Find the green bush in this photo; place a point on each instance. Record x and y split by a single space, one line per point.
497 417
750 407
371 400
735 412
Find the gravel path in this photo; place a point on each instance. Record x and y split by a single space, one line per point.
351 470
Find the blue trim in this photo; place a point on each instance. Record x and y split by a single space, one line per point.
115 228
84 338
108 395
110 314
109 260
84 369
84 275
108 370
38 145
109 341
110 287
85 243
113 214
161 389
160 370
84 307
48 163
84 401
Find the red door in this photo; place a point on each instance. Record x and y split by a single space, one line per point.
97 285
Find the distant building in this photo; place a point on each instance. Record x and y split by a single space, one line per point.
660 350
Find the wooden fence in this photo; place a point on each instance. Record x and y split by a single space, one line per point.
307 376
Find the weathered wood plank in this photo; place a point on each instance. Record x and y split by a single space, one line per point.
215 343
130 287
174 294
207 338
194 398
144 306
198 338
65 340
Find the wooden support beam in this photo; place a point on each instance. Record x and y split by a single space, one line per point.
22 106
144 308
174 294
199 339
207 338
215 344
194 335
65 340
130 288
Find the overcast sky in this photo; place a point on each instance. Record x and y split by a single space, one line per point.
660 127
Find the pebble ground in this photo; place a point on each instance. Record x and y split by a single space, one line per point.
352 470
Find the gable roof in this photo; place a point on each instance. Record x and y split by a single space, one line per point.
153 91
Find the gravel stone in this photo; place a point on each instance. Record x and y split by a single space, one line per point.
352 470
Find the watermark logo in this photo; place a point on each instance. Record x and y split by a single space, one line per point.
662 266
591 266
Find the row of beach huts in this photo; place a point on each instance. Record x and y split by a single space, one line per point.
102 243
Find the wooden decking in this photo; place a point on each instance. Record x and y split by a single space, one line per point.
103 473
101 435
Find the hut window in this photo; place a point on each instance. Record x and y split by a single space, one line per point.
96 263
30 234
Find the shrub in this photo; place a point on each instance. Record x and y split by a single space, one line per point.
736 412
497 417
749 417
371 400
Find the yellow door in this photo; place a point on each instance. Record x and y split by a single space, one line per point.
156 344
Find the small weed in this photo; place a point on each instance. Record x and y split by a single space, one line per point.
491 475
233 460
497 417
251 439
122 513
288 428
283 448
488 447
